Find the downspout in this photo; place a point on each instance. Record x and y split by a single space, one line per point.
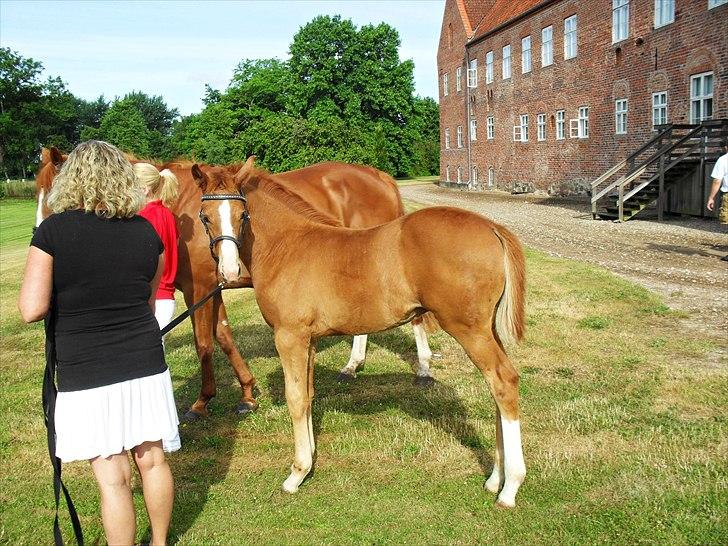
467 114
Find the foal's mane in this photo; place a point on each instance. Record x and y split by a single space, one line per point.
262 181
44 178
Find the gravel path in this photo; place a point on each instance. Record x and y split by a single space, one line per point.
679 258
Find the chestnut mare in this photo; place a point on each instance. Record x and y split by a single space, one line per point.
358 196
313 280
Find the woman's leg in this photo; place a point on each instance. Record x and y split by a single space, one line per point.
158 487
113 475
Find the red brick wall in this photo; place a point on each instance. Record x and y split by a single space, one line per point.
649 60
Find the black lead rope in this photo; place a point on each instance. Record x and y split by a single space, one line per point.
49 409
190 310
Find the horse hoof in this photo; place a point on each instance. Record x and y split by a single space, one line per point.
344 377
504 505
424 381
191 416
244 408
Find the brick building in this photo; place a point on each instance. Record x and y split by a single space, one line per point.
549 94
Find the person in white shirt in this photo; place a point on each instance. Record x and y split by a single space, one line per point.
720 182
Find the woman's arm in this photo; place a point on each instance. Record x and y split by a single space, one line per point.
35 292
155 282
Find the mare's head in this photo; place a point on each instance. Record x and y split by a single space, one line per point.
51 160
223 212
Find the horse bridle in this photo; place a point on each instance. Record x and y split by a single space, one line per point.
223 197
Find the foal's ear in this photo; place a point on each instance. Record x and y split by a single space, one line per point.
245 170
56 156
199 176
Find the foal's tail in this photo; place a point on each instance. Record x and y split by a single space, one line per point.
510 313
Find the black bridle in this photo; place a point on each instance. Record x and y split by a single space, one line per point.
215 240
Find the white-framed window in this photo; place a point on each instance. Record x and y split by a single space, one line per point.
541 127
547 46
506 62
447 173
445 90
579 127
525 55
560 124
447 138
570 48
459 79
491 177
716 3
490 128
473 129
489 67
520 132
701 97
620 116
460 175
473 73
460 136
659 108
474 176
620 20
664 12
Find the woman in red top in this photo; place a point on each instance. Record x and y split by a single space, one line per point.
161 189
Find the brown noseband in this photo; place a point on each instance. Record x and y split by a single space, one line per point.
215 240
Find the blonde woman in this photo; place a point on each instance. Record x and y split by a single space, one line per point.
161 191
92 271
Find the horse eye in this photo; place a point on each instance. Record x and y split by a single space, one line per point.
204 218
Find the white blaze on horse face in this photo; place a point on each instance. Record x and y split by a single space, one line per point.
514 466
39 210
229 265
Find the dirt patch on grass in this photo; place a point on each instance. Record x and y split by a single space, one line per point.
679 258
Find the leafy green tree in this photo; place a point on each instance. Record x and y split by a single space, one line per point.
124 126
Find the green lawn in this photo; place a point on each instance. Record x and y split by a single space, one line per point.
624 425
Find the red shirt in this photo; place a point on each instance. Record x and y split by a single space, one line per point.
166 227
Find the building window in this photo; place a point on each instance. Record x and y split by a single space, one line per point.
579 127
620 20
560 124
489 67
460 175
620 116
664 12
701 97
506 62
473 129
520 132
460 136
659 108
447 138
458 79
444 85
491 177
570 37
490 127
473 73
547 46
716 3
526 54
474 177
541 127
447 173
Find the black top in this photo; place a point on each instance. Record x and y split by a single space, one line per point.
105 330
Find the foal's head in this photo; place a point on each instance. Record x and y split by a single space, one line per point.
51 160
223 213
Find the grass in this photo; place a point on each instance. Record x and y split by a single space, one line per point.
22 189
418 180
624 422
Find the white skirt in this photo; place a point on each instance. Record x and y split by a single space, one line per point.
108 420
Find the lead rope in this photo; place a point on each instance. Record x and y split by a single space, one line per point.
191 310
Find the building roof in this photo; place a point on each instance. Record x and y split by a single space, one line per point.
482 16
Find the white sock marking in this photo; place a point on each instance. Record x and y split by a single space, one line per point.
514 466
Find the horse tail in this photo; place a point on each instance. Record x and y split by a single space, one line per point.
510 317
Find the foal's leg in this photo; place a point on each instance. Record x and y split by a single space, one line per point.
224 337
358 354
494 482
502 378
202 329
423 376
296 357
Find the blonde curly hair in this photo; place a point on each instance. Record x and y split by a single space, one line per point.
98 178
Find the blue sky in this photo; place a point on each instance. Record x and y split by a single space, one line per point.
174 48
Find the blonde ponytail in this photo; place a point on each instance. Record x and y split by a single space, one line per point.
159 185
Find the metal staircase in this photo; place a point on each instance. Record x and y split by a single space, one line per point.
641 179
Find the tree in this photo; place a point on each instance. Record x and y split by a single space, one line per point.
124 126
